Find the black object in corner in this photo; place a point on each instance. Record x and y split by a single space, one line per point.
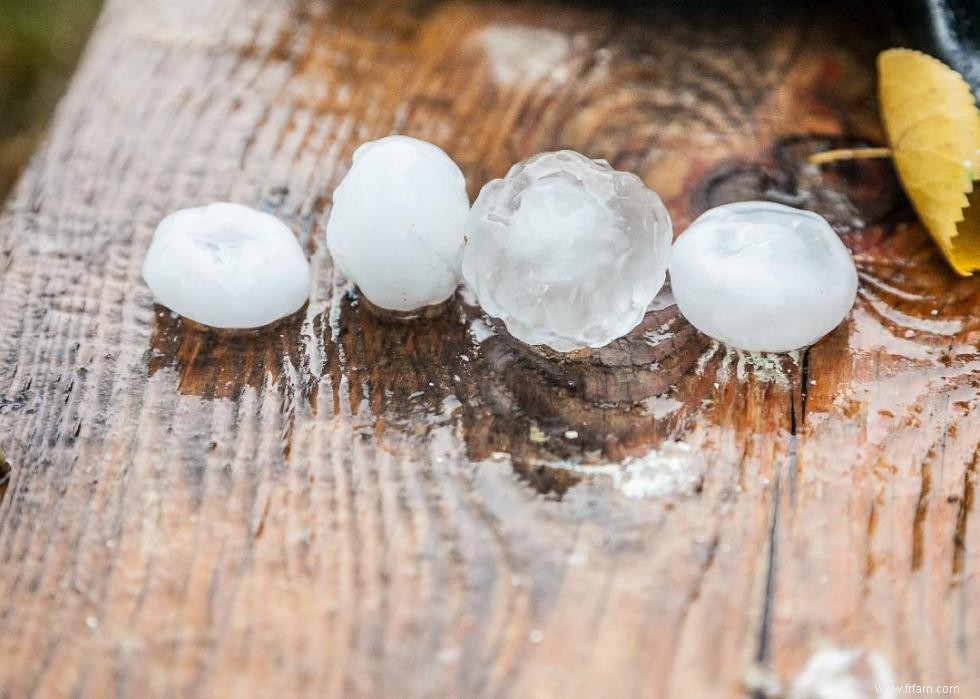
948 30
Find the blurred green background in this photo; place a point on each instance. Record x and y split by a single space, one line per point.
40 43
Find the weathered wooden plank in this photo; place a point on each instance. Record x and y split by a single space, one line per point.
323 508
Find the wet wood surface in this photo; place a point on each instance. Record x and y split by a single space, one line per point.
343 506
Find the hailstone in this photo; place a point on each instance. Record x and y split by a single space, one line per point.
566 251
227 266
396 227
762 277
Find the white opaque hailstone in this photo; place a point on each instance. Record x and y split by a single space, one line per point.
227 266
762 277
566 251
396 226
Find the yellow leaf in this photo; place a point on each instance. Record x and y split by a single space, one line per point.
933 127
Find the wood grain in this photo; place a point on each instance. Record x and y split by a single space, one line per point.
346 506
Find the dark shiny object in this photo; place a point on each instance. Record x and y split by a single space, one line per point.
948 30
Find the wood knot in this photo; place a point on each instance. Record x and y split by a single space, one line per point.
857 195
645 363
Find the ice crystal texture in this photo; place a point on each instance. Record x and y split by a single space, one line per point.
227 266
762 277
396 227
566 251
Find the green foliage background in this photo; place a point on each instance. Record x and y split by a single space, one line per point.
40 42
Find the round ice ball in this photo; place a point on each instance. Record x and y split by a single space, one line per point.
396 227
762 277
566 251
227 266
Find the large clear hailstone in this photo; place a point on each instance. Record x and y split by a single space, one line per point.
396 226
762 277
566 251
227 266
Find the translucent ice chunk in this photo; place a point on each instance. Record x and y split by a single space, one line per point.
396 227
762 277
566 251
227 266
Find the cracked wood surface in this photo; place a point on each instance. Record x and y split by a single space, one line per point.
342 506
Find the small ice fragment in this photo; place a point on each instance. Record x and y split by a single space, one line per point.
571 434
227 266
839 673
396 227
566 251
481 331
762 277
